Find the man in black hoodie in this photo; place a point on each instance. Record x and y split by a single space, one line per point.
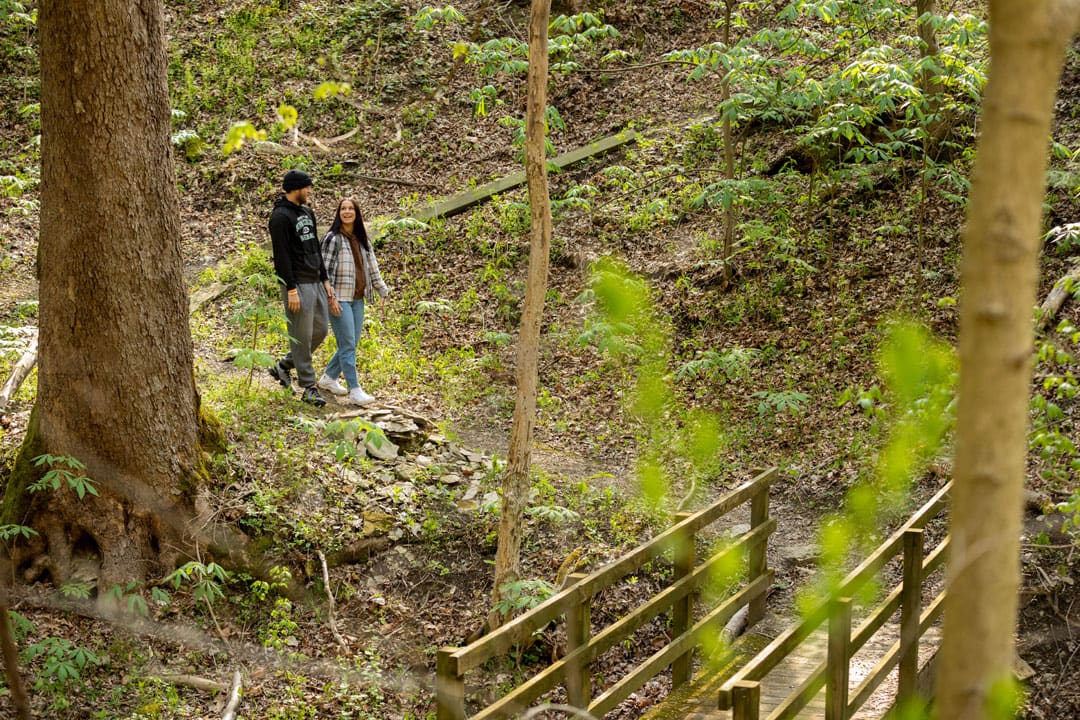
306 290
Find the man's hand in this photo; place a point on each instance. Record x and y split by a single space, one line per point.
335 307
294 301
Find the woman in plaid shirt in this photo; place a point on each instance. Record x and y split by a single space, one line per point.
352 268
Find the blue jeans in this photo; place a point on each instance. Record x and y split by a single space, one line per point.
347 328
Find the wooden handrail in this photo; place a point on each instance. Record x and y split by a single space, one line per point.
765 661
453 663
521 628
771 655
618 631
663 657
812 684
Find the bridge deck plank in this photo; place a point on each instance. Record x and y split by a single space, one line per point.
698 701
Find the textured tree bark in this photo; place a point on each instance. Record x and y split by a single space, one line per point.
115 383
1000 275
515 488
729 149
930 43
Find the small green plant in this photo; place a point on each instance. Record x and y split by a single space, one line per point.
62 661
128 598
788 402
1065 237
555 514
523 595
727 366
63 470
205 580
260 315
347 435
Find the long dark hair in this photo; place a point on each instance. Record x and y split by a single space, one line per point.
359 232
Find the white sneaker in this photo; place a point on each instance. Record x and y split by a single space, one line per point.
331 385
357 396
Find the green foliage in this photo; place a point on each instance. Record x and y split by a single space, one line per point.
189 143
128 598
552 121
9 532
1065 238
427 18
349 434
205 580
239 133
1050 439
727 366
63 470
523 595
555 514
259 314
77 590
61 661
627 326
788 402
920 378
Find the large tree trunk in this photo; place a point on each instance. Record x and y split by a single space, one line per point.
116 388
1000 276
515 488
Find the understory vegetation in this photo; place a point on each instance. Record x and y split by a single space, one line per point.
844 185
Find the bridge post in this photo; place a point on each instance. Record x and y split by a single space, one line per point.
838 660
746 699
449 686
910 610
682 612
759 515
578 633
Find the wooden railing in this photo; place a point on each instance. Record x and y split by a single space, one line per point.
573 605
741 693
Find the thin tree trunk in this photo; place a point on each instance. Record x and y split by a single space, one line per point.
1000 273
11 655
515 489
116 386
729 151
930 43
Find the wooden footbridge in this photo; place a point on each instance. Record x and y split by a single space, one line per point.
842 659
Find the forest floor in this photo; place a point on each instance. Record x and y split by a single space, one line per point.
817 281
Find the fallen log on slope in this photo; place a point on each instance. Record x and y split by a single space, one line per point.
18 374
1061 292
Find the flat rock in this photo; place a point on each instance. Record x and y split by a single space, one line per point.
424 461
402 492
798 554
451 479
383 450
406 471
377 523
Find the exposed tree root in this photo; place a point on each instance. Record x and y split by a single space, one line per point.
330 604
234 697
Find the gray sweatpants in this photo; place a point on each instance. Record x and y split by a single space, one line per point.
307 330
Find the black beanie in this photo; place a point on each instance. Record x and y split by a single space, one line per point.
296 179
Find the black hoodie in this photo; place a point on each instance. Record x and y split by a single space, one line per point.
297 258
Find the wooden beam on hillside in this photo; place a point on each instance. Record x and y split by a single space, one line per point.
462 201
